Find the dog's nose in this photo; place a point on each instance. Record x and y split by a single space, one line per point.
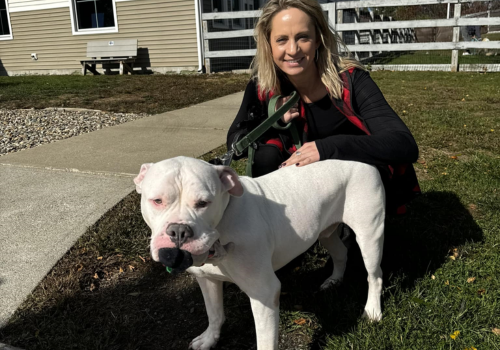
179 233
175 258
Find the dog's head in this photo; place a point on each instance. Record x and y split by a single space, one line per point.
182 201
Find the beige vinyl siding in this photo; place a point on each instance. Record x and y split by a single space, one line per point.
165 30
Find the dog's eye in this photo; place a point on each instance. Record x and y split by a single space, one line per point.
200 204
157 201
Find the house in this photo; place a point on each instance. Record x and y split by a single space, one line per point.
50 36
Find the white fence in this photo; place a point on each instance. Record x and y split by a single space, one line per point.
334 12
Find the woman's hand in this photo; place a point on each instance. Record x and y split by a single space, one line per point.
306 154
291 113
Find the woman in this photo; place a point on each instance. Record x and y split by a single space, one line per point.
341 113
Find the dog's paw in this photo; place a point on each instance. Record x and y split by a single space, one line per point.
205 341
329 283
373 315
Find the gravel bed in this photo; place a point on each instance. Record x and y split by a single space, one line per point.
27 128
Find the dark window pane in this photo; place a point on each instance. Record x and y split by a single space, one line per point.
105 11
4 23
94 13
2 5
217 6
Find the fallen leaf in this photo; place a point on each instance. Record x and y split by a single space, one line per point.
454 157
92 287
463 99
433 277
300 321
80 267
96 276
481 291
492 130
496 331
455 334
452 257
99 258
447 282
471 279
421 161
131 268
121 270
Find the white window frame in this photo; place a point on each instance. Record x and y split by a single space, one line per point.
8 36
74 22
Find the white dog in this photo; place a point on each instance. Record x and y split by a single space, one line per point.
238 229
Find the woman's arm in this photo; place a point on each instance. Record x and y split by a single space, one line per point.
250 103
390 142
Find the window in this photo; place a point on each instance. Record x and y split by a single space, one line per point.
5 30
93 16
231 6
221 6
242 5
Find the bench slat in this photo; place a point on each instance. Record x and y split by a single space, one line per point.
112 48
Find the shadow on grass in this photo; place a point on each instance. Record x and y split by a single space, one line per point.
416 244
155 310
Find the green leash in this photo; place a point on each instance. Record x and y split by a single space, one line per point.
272 121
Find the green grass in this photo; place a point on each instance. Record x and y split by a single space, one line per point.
492 36
435 57
441 260
115 93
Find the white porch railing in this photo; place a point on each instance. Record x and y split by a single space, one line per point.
334 9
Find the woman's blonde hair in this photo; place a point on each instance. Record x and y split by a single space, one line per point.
330 64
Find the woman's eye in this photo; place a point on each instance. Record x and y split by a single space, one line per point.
157 201
201 204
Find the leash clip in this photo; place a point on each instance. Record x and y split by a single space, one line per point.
235 151
226 158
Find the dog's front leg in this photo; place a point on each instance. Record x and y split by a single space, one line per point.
212 293
265 298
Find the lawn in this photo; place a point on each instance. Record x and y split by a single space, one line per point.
435 57
441 259
115 93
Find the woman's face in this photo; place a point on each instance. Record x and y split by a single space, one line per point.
293 42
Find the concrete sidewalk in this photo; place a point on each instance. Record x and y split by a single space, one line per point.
49 195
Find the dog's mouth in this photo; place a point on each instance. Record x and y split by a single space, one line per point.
179 260
211 253
216 253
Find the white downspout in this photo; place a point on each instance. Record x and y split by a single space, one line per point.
198 35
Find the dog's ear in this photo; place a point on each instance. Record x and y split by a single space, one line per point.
138 179
230 181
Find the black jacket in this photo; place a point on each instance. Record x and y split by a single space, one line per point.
385 140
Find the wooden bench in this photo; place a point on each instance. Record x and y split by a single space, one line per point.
123 52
